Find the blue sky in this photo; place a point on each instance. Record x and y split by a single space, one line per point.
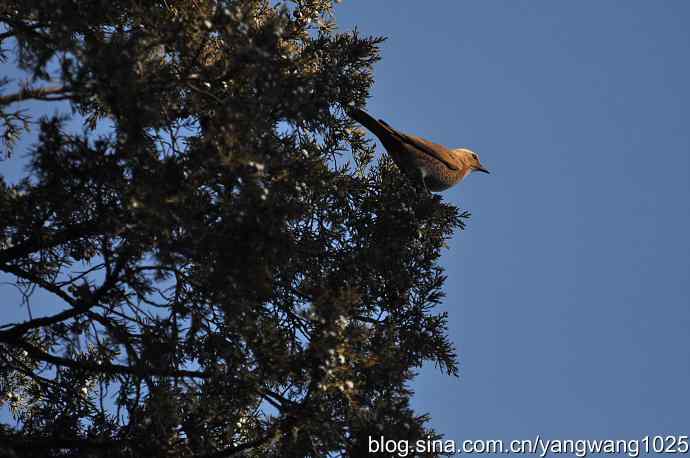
568 293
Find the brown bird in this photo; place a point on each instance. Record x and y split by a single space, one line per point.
437 167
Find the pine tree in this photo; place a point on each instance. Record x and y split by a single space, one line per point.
233 272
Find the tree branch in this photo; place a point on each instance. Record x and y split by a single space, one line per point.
21 328
7 35
36 242
40 93
139 370
16 271
33 443
230 451
78 307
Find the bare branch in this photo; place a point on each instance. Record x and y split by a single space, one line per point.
21 328
40 282
5 35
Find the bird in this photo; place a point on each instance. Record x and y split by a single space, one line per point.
437 168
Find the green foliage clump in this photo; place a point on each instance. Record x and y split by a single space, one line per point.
233 273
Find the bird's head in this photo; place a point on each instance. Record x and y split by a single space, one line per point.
470 159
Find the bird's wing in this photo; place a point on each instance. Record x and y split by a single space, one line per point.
435 150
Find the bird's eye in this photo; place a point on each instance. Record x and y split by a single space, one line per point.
475 156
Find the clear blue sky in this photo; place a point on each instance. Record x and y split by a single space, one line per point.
568 294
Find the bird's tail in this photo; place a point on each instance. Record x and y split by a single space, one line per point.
377 127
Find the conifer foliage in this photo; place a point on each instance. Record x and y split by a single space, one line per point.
229 270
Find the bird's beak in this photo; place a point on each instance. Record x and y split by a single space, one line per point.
480 168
